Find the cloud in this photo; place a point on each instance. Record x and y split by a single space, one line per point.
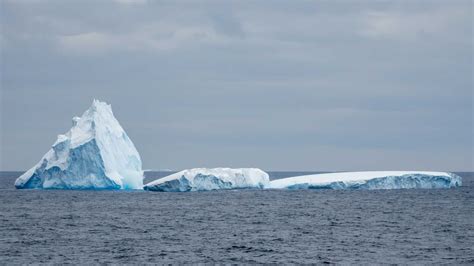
131 2
300 84
155 36
159 38
87 42
399 24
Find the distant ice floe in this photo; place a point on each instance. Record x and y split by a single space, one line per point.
95 153
369 180
202 179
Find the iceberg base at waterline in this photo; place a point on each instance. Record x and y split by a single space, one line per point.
204 179
369 180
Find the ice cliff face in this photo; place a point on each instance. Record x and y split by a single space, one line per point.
369 180
95 153
201 179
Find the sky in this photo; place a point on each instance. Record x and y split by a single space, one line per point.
279 85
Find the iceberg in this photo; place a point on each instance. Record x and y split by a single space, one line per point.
369 180
95 153
203 179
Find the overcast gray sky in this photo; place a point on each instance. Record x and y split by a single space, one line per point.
280 85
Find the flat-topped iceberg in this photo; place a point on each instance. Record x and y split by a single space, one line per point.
95 153
202 179
369 180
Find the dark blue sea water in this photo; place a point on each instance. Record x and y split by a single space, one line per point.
242 226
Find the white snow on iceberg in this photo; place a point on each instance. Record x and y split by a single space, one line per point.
202 179
95 153
369 180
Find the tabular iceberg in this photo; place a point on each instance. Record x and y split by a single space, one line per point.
369 180
95 153
202 179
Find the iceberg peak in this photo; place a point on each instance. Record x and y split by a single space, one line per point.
95 153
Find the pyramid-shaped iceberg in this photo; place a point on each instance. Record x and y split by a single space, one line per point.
95 153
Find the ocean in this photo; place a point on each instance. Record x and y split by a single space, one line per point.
413 226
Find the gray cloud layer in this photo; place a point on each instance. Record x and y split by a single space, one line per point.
281 85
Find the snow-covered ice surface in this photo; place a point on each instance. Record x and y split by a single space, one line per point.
202 179
369 180
95 153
